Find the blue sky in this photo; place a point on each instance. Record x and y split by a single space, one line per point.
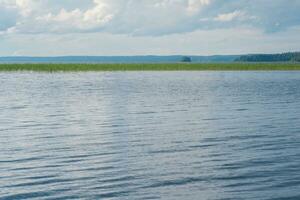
143 27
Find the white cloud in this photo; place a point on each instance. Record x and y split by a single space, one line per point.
62 21
25 6
195 5
73 20
144 17
227 17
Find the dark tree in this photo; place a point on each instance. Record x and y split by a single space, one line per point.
284 57
186 59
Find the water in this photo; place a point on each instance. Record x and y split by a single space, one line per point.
150 135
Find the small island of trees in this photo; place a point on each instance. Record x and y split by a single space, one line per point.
186 59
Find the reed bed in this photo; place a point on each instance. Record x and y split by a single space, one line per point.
151 67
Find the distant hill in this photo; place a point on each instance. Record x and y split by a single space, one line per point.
118 59
283 57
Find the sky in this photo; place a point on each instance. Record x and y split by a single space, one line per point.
148 27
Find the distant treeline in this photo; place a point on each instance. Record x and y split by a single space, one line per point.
283 57
120 59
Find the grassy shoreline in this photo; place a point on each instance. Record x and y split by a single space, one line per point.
152 67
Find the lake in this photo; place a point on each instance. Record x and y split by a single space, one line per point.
150 135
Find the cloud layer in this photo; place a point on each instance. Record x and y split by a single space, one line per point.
145 17
140 27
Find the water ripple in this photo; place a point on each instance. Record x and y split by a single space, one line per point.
150 135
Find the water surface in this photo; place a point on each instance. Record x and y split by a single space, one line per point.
150 135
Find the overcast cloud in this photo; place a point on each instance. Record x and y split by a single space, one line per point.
144 19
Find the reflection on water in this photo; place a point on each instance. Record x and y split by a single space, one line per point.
150 135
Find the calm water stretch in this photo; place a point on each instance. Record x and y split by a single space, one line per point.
150 135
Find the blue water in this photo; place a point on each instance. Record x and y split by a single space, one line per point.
150 135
